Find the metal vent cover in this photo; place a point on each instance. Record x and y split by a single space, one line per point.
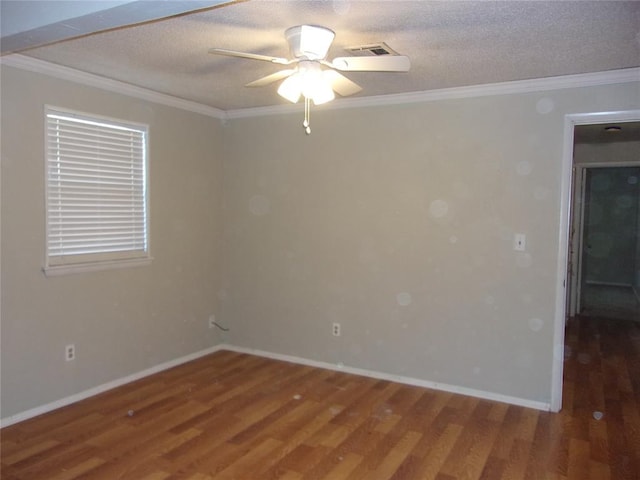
371 49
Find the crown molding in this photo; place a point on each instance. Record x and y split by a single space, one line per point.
610 77
65 73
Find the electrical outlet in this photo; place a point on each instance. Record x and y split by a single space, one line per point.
519 242
70 352
336 330
212 321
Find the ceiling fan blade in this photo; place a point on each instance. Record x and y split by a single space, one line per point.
341 84
274 77
382 63
252 56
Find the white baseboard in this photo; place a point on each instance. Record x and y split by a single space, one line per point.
34 412
63 402
522 402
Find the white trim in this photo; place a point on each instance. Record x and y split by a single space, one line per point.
65 73
577 229
627 75
472 392
59 270
34 412
570 121
276 110
610 77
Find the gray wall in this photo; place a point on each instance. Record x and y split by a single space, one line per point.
395 221
121 321
398 223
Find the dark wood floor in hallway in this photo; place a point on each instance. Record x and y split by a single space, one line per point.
236 416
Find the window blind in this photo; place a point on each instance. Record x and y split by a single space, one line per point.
96 189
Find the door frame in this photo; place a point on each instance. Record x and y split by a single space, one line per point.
563 274
576 236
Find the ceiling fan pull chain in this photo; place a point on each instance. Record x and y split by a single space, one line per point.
307 111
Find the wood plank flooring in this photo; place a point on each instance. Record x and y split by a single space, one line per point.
236 416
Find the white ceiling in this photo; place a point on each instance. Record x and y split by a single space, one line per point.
450 43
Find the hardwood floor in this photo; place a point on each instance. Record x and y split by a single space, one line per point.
236 416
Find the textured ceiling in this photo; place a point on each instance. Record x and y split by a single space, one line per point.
450 43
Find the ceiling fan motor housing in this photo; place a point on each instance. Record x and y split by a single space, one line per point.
309 41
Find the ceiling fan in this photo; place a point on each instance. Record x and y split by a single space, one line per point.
311 75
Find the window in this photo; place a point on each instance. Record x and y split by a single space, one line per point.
96 193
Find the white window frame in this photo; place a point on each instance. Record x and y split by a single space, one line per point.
75 262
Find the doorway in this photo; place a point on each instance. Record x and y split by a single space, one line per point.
594 124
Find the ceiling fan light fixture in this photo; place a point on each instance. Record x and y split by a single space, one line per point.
310 81
314 84
321 93
291 88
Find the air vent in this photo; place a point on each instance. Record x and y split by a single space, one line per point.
373 49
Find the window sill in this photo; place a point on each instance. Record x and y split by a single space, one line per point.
59 270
